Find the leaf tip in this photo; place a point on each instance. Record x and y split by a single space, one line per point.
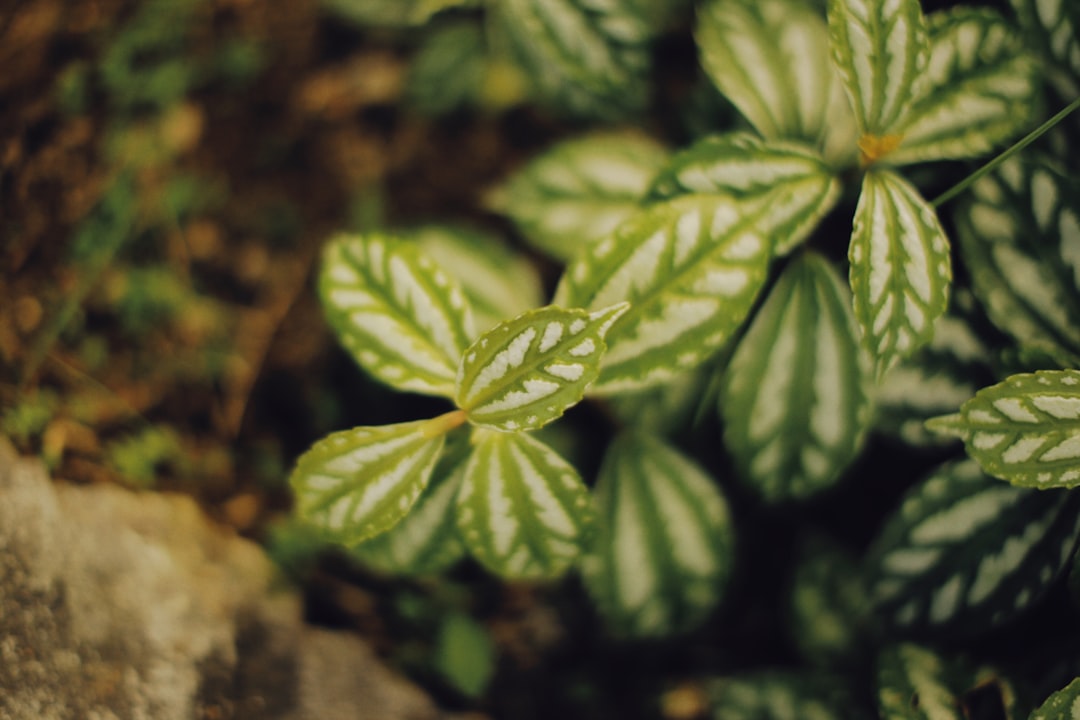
952 425
607 316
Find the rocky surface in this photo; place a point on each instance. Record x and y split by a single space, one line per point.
121 605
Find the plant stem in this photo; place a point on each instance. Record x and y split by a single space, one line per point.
1017 147
444 423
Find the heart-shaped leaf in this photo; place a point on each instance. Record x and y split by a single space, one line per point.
526 372
794 400
900 268
522 510
663 551
691 268
357 483
403 319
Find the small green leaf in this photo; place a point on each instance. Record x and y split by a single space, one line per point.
794 400
403 319
1020 239
880 49
1062 705
900 268
392 13
770 58
579 190
691 268
982 89
522 510
1026 429
357 483
425 542
585 58
465 654
448 71
828 603
968 552
526 372
778 695
498 282
793 180
664 547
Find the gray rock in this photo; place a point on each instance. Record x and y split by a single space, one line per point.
117 605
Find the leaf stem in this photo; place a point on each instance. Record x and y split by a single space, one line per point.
444 423
1017 147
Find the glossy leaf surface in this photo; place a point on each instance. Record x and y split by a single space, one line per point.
402 318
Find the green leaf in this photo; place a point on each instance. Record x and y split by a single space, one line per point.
465 654
791 179
778 695
585 58
1026 429
691 268
664 547
828 603
425 542
770 58
915 683
448 71
665 409
880 49
498 282
522 510
1020 240
526 372
982 89
357 483
1054 30
968 552
579 190
1062 705
900 268
794 401
391 13
403 319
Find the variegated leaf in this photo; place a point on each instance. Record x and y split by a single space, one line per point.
585 58
448 71
403 319
880 48
1062 705
794 401
499 283
425 542
828 604
777 695
664 546
665 409
579 190
1025 429
982 87
522 510
691 268
770 58
357 483
793 180
900 268
968 552
915 683
526 372
1054 27
1020 240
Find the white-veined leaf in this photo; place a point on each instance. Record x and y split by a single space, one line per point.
663 549
779 695
499 283
579 190
357 483
880 48
981 89
447 73
424 542
586 58
522 510
525 372
1062 705
828 605
1025 429
770 58
915 683
691 268
1054 27
968 552
794 400
791 179
403 319
665 409
900 268
1020 240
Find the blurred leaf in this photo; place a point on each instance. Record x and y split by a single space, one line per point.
776 695
448 71
392 13
465 654
1062 705
828 604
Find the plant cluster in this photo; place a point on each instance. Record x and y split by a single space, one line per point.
708 280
